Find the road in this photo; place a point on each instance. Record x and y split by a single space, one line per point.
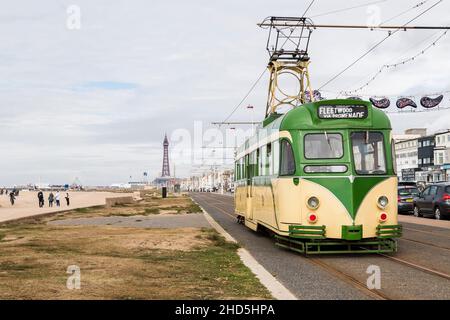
419 270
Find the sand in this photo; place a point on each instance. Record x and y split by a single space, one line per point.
27 203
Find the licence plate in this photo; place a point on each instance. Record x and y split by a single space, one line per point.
409 200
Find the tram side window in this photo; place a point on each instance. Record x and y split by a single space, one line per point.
253 164
394 156
275 157
258 161
240 169
268 162
262 160
287 165
323 146
368 152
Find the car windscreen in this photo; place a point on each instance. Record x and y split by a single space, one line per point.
408 192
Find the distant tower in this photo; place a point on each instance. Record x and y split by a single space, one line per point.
166 167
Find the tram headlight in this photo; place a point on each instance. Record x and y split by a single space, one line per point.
313 203
383 202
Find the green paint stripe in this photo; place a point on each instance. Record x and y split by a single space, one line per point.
350 194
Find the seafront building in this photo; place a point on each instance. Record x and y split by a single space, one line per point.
421 157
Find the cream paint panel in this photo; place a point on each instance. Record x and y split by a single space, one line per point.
289 209
331 212
264 212
368 213
291 206
240 198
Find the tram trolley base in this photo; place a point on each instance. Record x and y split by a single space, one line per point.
329 246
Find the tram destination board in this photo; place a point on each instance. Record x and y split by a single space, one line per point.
342 112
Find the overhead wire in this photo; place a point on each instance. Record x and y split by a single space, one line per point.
262 74
347 9
377 45
394 65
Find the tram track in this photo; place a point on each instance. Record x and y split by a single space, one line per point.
427 232
376 294
225 207
424 243
416 266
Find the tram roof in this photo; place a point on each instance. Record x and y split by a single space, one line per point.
306 117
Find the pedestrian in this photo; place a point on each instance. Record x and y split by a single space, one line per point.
12 197
41 199
67 199
51 197
57 198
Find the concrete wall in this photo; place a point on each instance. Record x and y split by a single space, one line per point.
110 202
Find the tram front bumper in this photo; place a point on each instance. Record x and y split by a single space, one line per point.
349 233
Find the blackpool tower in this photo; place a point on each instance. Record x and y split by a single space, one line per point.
165 166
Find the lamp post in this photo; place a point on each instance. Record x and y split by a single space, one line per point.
252 111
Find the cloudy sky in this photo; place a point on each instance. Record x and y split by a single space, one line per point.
94 102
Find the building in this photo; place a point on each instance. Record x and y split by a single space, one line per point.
423 158
442 154
406 150
214 179
407 159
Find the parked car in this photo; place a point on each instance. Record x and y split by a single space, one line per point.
406 195
434 200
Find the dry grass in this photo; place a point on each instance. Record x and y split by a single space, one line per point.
120 263
150 204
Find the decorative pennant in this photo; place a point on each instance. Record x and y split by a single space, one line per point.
429 103
382 104
355 98
317 96
405 102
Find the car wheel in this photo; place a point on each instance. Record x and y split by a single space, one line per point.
417 212
437 214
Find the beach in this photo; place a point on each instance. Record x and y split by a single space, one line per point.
27 205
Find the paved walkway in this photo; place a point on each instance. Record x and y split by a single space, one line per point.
425 221
27 203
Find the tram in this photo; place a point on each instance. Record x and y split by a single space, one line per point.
321 178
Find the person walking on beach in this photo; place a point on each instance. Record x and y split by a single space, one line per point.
41 199
12 197
67 199
57 199
51 197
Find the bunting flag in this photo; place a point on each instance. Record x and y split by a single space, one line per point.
405 102
355 98
382 104
428 102
317 96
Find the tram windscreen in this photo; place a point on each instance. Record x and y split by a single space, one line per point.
368 152
323 146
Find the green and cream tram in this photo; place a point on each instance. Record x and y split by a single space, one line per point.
321 178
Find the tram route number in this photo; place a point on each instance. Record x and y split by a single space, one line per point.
342 112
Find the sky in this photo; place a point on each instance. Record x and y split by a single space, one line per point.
90 87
